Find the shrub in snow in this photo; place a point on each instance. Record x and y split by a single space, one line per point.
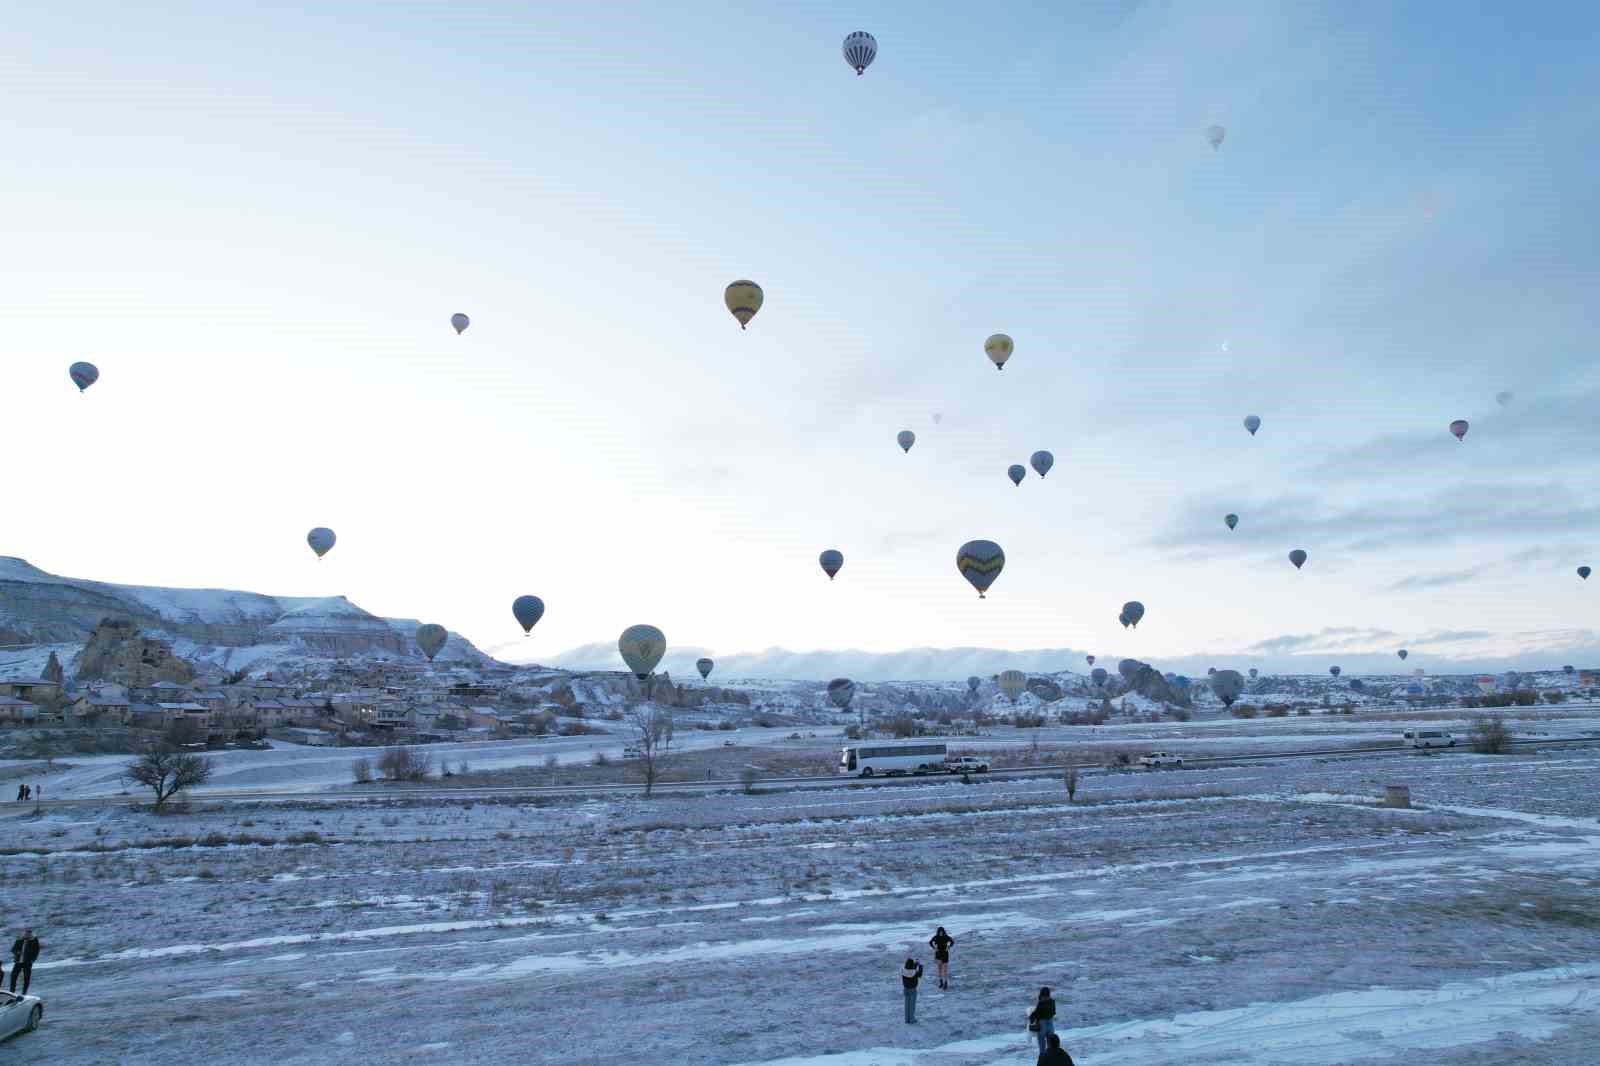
1243 710
1490 735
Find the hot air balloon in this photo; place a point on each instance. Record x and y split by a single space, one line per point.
527 610
1098 675
1402 653
1459 428
1012 682
1041 461
937 418
1210 670
980 562
1334 670
704 666
1584 572
431 638
1502 398
860 49
321 540
744 299
1566 669
642 648
83 375
1016 473
1298 557
831 560
1252 423
906 439
1133 610
1214 135
1253 673
999 348
1089 659
972 684
1227 684
1123 619
1230 520
841 690
460 322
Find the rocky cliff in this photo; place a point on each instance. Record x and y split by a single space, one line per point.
117 651
41 608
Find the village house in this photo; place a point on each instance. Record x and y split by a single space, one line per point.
35 692
17 712
98 709
269 714
484 716
162 692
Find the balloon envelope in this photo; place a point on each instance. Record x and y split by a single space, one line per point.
1298 558
527 610
460 322
1231 520
1089 659
1227 684
1584 572
1459 428
1098 675
860 49
1012 682
906 439
1253 673
321 540
830 561
431 638
973 682
841 690
1334 670
1502 398
83 374
1402 653
704 666
642 648
998 348
1041 461
744 299
1566 669
1252 423
1214 135
1133 610
980 562
1016 472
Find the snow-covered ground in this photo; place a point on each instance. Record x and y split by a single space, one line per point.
1249 914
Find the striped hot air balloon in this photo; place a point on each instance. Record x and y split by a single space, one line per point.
980 562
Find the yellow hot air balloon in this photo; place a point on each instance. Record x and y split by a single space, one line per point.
998 347
744 300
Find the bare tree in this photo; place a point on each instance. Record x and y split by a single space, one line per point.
167 773
653 724
1070 778
404 763
361 771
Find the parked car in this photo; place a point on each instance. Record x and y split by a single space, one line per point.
631 752
19 1014
966 764
1427 738
727 743
1157 759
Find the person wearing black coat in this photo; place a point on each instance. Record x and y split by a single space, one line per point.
1054 1054
24 950
910 974
1042 1019
941 955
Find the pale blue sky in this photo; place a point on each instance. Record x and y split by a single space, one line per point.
258 223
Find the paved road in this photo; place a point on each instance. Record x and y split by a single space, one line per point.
384 794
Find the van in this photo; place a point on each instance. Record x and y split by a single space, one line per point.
1427 738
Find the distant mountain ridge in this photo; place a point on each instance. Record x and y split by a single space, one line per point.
41 608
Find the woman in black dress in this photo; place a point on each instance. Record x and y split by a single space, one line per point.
941 955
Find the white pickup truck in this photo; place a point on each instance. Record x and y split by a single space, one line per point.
1157 759
965 764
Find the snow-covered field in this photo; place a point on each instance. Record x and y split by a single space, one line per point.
1258 914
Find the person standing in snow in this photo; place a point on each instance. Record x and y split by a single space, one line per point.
941 956
1054 1054
1042 1019
910 974
24 950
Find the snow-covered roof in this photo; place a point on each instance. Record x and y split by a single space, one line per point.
9 701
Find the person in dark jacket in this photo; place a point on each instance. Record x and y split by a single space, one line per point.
24 950
1042 1019
941 955
910 974
1054 1054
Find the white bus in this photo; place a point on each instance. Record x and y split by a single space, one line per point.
1427 738
906 757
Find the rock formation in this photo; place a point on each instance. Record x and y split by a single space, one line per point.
117 652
